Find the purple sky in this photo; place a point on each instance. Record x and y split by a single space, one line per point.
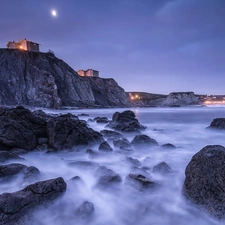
156 46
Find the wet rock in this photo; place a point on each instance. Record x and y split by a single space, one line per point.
101 120
19 128
85 211
16 207
134 162
84 164
143 139
139 182
111 134
7 156
105 147
83 114
32 174
125 122
168 146
107 177
204 184
162 168
10 170
19 151
122 143
66 133
218 123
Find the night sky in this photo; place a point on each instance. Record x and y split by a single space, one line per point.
156 46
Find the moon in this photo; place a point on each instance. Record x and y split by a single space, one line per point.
54 13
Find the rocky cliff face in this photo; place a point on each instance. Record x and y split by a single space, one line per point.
180 99
43 80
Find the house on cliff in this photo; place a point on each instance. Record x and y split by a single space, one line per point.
24 44
88 73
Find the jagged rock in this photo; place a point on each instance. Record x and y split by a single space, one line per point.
218 123
168 146
19 128
65 133
139 182
85 211
42 80
101 119
122 143
105 147
107 177
6 156
16 207
204 184
181 99
162 168
143 139
134 162
125 122
111 134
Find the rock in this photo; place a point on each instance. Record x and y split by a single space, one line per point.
143 139
134 162
6 156
168 146
107 177
32 174
16 207
91 153
125 122
111 134
85 211
39 79
204 184
162 168
101 120
218 123
66 133
139 182
177 99
19 128
9 170
105 147
122 143
83 114
19 151
84 165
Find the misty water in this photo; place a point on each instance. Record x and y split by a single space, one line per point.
124 204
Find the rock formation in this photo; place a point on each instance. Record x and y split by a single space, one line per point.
43 80
218 123
204 183
181 99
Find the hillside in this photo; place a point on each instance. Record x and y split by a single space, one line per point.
42 80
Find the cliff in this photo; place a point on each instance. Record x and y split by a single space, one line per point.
180 99
42 80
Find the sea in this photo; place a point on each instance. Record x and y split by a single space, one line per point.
184 127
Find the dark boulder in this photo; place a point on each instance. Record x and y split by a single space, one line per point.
9 170
218 123
139 182
107 177
122 143
134 162
143 139
101 120
85 211
105 147
7 156
168 146
16 207
19 128
162 168
204 184
66 133
125 122
111 134
31 174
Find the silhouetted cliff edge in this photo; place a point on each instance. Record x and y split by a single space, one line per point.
42 80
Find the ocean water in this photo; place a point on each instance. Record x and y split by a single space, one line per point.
125 204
